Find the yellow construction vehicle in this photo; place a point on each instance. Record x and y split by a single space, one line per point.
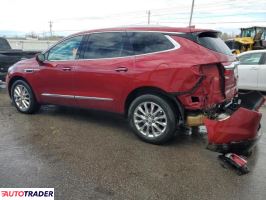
252 38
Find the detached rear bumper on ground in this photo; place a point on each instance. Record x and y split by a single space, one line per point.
238 132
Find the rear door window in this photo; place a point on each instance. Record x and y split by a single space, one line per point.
211 40
106 45
149 42
250 59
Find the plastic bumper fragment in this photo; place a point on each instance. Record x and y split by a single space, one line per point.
239 132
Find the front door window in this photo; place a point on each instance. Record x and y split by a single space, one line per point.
66 50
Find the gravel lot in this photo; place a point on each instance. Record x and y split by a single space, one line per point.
87 154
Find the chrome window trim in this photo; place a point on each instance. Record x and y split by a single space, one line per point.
77 97
175 43
93 59
167 35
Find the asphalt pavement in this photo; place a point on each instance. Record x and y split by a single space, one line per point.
87 154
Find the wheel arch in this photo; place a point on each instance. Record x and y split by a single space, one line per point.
13 80
156 91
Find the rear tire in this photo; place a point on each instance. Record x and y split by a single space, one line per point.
23 97
152 118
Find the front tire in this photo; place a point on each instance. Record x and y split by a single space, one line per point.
152 118
23 97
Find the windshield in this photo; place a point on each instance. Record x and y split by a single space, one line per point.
250 32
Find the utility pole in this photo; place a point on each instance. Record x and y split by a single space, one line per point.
191 13
51 26
149 16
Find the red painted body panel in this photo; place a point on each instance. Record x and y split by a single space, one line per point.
242 125
99 78
52 79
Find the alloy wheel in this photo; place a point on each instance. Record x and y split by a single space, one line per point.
150 119
22 97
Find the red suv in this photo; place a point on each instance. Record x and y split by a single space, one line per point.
160 78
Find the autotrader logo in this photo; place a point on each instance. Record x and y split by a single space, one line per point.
27 193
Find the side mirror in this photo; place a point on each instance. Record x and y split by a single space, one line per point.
40 58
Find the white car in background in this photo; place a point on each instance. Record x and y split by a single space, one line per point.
252 70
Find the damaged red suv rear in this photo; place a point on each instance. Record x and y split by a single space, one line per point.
161 78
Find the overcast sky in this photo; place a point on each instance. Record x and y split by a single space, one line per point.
77 15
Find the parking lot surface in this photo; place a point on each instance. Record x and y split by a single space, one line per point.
86 154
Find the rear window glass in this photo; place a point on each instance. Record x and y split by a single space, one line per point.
4 44
211 40
145 42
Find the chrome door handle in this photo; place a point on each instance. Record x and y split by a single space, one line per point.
254 68
66 68
121 69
